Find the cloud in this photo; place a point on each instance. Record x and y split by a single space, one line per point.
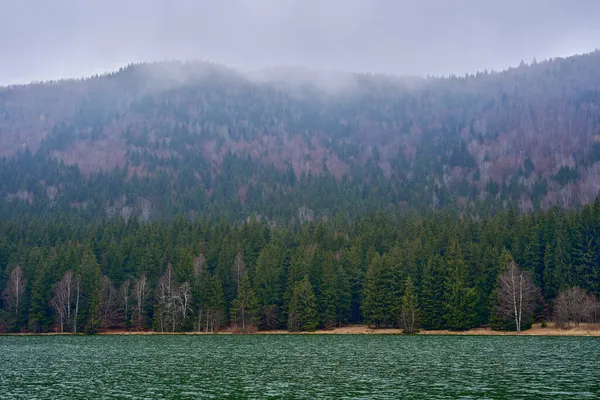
42 39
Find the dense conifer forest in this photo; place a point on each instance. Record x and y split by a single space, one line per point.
385 269
193 197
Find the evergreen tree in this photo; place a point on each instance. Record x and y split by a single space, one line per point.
563 267
533 259
334 298
91 277
303 307
40 313
585 263
267 280
460 300
432 294
300 267
354 268
377 305
244 307
410 308
213 302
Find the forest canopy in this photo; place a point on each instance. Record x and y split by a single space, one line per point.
180 196
384 269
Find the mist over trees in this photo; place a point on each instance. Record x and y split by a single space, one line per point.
188 196
152 141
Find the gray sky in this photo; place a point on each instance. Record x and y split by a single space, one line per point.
49 39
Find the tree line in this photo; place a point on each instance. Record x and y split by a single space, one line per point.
387 269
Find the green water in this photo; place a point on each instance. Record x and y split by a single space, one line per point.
299 366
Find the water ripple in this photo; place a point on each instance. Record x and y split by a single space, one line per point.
299 367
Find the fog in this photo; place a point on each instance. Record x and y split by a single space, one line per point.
41 40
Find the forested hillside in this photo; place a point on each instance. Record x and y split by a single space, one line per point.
191 196
156 140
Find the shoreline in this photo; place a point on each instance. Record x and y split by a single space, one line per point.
583 330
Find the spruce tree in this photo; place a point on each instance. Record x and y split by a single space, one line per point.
334 296
303 314
533 259
460 300
354 267
213 301
432 294
40 312
267 284
585 263
377 305
244 307
410 308
91 285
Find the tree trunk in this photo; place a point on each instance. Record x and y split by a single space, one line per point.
76 307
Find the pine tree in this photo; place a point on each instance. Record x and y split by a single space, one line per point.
303 307
334 296
460 300
485 283
91 277
377 305
213 302
563 266
39 312
267 281
300 267
533 259
244 307
432 294
355 271
410 308
549 286
585 263
557 260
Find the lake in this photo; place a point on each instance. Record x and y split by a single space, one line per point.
299 366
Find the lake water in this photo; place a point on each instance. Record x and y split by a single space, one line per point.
299 366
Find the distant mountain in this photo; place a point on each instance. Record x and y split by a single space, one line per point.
156 140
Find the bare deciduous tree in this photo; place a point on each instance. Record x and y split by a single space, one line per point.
109 303
126 214
65 291
77 282
165 300
517 294
51 192
111 211
174 303
238 269
305 214
15 289
125 294
140 291
574 305
593 307
185 295
566 196
146 210
435 201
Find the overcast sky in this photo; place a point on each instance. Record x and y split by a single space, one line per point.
49 39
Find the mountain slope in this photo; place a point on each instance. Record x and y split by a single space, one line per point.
155 140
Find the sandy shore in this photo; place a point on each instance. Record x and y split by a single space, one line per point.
536 330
